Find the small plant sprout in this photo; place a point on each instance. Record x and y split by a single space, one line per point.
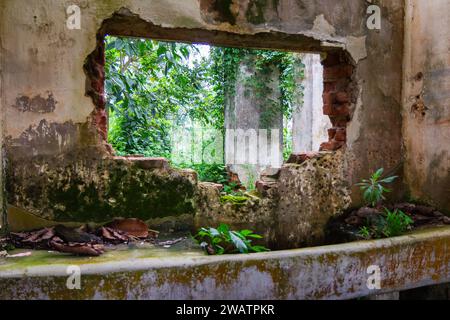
390 224
365 233
396 223
223 240
374 189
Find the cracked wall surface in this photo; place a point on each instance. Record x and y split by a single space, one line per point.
45 59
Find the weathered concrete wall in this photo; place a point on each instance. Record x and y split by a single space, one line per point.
292 206
50 119
331 272
426 101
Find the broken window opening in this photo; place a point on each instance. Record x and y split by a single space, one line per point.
189 102
337 75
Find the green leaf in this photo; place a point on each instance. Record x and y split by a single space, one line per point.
389 179
255 236
223 228
378 173
238 243
259 249
214 232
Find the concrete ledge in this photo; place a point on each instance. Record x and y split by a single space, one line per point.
329 272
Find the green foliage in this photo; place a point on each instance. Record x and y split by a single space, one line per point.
223 240
287 142
390 224
153 87
235 199
227 61
231 187
365 232
208 172
373 189
397 223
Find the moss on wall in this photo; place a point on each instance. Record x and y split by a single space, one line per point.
98 190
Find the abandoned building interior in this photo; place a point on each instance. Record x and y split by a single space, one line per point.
365 102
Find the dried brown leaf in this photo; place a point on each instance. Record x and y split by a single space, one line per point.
85 249
131 226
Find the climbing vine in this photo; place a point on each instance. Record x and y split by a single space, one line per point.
260 84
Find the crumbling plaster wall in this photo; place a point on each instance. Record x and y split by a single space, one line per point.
49 117
426 101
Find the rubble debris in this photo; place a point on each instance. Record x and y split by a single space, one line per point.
169 243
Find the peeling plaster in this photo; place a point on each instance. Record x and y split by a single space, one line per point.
322 27
356 46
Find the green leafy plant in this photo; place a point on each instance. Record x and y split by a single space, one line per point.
222 240
390 224
396 223
230 188
374 189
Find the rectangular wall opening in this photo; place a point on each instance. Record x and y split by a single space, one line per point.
228 113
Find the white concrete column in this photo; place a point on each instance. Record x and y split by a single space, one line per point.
310 125
254 138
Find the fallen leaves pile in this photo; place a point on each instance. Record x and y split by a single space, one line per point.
85 241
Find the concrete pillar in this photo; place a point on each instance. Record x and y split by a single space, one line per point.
253 117
310 125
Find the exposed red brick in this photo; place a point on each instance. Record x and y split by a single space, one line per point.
341 134
337 72
332 59
234 178
328 98
101 122
342 97
299 158
329 86
328 109
336 110
337 75
339 121
331 133
331 145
